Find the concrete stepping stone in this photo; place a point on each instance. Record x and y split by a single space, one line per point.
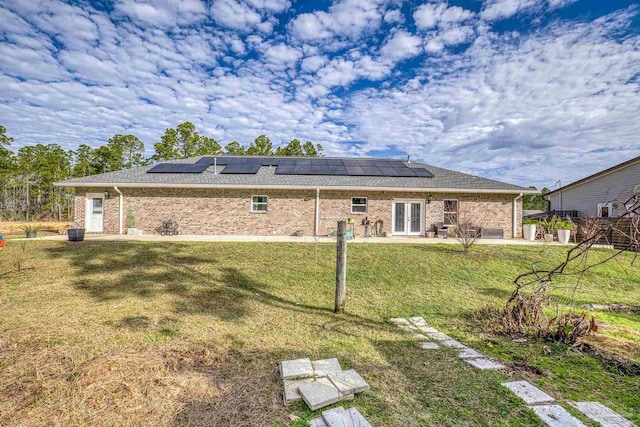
399 321
337 417
349 382
418 321
453 344
318 394
420 337
484 364
428 345
322 368
526 391
409 328
317 422
556 416
467 353
600 413
296 369
290 393
358 419
439 336
428 329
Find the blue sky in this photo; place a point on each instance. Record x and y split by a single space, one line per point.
526 91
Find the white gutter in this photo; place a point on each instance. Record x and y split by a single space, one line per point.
317 225
291 187
120 208
514 230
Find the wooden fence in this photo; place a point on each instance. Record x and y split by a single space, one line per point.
624 236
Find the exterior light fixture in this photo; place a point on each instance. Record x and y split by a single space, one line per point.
429 198
107 195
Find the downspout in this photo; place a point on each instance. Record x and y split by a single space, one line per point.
120 208
317 225
514 230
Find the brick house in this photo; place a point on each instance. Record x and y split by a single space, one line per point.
229 195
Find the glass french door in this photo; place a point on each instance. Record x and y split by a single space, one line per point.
407 217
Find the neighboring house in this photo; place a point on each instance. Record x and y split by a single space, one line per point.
531 212
602 194
281 195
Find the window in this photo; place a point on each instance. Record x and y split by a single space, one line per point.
258 203
358 205
97 206
450 212
604 210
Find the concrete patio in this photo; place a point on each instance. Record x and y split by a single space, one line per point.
290 239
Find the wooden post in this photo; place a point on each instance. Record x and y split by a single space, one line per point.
341 267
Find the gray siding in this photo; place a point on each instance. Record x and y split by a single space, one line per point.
614 188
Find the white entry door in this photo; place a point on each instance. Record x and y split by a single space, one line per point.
95 213
407 217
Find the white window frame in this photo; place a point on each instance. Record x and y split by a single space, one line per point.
366 205
265 203
444 213
609 207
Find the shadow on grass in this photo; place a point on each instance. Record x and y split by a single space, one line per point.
200 284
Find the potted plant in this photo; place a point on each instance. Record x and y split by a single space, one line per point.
549 225
75 233
564 231
131 222
529 228
30 230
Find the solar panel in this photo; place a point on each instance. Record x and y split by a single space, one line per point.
422 172
178 168
297 166
372 171
241 168
355 171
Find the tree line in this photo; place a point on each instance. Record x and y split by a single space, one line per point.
27 176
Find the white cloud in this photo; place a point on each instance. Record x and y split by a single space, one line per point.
430 15
345 18
313 63
272 6
234 14
556 4
338 72
393 16
457 35
501 9
494 10
163 13
283 55
401 45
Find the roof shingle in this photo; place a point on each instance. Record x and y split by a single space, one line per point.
443 179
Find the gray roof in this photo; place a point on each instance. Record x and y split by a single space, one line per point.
443 179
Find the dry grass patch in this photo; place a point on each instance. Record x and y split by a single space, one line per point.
146 387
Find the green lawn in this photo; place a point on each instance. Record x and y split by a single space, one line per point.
119 333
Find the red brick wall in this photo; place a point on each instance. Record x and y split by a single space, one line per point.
228 211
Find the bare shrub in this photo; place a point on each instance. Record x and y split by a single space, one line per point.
468 229
524 312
